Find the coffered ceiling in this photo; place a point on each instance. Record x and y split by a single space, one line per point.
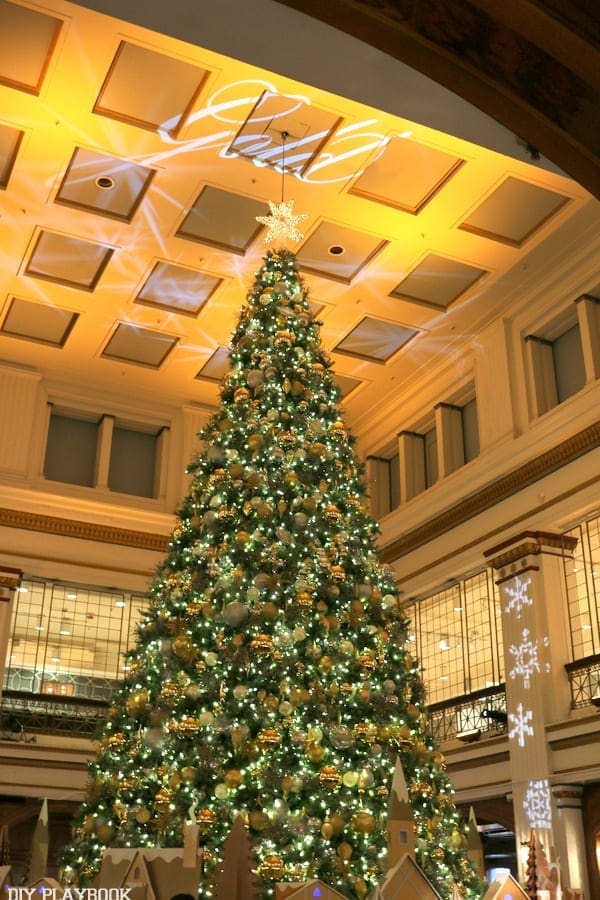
132 169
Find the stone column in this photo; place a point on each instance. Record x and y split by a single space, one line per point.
570 836
10 579
535 628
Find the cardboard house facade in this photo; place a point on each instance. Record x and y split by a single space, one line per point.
149 873
505 887
308 890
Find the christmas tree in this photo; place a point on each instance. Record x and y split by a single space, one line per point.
270 677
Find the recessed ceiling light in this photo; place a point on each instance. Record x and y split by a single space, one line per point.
105 182
336 250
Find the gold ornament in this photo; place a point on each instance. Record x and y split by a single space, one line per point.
115 740
365 732
315 752
345 850
332 513
143 815
268 738
233 778
304 600
258 820
338 823
330 778
271 867
169 692
338 573
360 888
162 799
188 773
137 703
185 726
327 829
262 643
367 661
205 819
241 395
363 822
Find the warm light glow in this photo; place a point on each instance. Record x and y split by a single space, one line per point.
282 222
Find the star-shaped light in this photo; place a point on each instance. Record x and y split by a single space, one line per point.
282 222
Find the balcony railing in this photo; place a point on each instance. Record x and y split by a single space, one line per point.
584 677
23 716
472 715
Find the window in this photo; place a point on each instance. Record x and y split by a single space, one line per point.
69 640
458 643
470 430
71 450
563 355
104 453
430 450
132 462
384 484
567 358
582 576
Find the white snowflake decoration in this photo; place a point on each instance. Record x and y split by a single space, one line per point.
525 657
281 222
519 595
521 727
537 804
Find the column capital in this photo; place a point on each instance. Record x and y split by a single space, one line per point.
10 579
513 555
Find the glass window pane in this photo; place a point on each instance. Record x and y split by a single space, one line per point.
71 450
569 367
132 462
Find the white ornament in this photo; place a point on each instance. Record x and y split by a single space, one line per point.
525 657
537 804
519 595
521 727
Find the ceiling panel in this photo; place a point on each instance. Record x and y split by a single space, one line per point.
437 281
216 366
338 252
347 383
165 89
284 130
38 322
514 212
27 39
10 140
406 175
104 184
177 288
67 260
140 346
375 340
223 219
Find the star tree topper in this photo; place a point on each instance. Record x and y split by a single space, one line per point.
282 222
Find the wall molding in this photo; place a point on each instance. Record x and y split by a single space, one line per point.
86 531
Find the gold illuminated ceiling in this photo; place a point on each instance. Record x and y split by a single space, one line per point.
132 169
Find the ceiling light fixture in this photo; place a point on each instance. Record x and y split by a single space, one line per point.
105 182
281 222
336 250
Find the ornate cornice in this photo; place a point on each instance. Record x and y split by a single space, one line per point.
501 489
86 531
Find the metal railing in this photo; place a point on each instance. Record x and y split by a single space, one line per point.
472 715
584 678
25 715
